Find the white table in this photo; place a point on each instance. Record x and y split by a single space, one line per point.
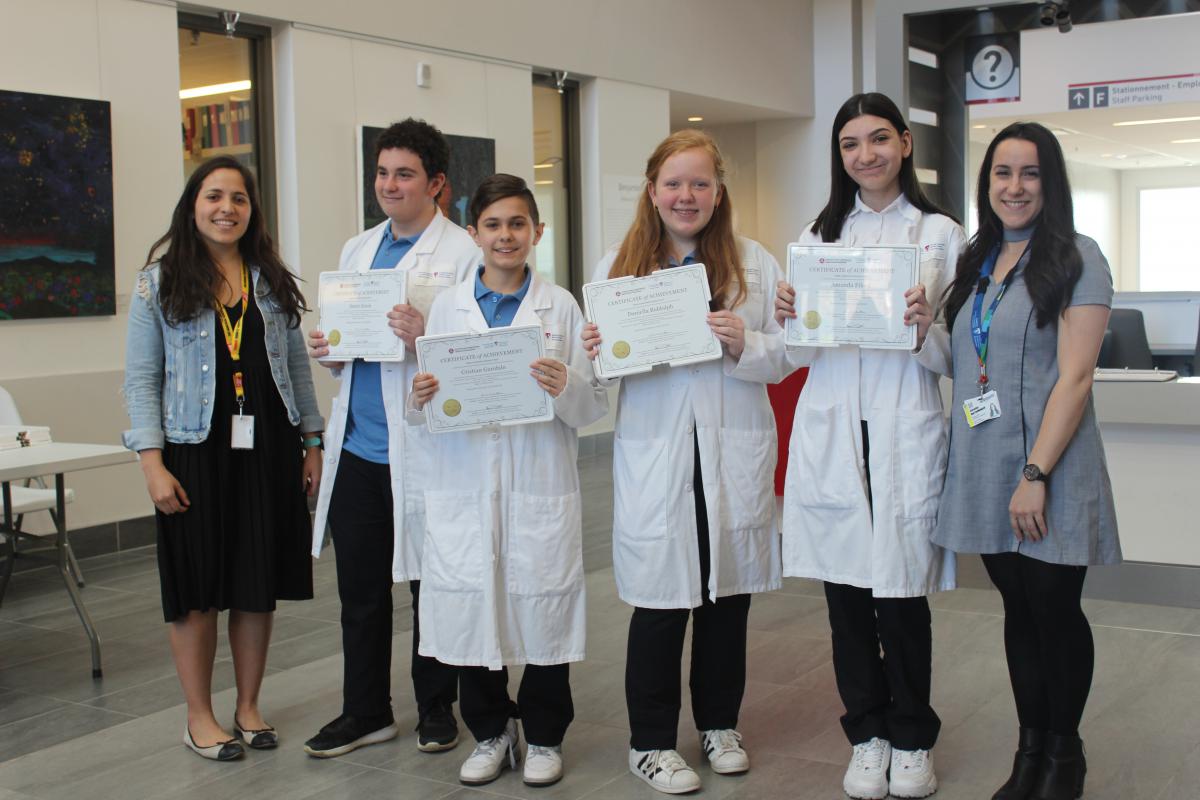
57 458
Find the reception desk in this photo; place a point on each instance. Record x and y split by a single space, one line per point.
1151 435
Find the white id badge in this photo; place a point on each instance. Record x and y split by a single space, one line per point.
242 432
981 409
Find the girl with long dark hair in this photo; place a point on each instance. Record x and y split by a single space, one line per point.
1027 485
867 459
225 424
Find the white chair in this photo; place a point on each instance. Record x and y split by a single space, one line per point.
30 498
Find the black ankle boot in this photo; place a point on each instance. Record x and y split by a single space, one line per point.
1063 769
1026 763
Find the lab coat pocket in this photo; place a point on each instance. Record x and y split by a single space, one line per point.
545 550
919 451
822 451
747 460
452 554
641 476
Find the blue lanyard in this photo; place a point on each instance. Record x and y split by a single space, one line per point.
981 324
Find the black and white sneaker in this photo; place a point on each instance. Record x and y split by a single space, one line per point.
348 733
725 752
437 731
665 770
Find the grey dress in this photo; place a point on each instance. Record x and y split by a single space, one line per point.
985 462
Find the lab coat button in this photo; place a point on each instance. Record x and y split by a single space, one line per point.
495 437
690 429
687 488
204 367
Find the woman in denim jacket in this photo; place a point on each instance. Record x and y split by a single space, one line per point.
225 423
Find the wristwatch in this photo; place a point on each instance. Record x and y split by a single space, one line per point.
1033 472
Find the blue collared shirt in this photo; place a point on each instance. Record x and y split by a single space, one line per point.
499 309
690 258
366 420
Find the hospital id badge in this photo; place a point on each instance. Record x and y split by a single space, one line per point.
980 409
242 437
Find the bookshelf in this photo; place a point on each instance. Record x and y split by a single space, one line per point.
217 125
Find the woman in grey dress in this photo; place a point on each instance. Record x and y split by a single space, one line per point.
1027 485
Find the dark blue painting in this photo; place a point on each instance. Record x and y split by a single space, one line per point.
56 220
471 160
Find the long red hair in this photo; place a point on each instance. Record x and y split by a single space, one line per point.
646 245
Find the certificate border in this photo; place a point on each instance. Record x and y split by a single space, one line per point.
914 277
424 343
598 365
342 275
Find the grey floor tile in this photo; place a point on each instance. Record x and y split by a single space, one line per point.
64 723
18 706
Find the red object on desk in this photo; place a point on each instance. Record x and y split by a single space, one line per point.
783 397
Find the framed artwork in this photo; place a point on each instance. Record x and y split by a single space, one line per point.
56 210
471 160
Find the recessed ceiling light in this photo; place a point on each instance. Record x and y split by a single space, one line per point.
543 166
1155 121
216 88
1185 141
980 126
695 119
543 183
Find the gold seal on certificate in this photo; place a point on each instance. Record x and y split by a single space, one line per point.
354 308
483 378
851 295
661 318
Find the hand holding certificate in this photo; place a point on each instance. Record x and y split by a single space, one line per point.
483 378
354 314
658 319
851 295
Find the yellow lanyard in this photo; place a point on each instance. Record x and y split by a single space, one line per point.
233 335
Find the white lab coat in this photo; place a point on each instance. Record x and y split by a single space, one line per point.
503 572
829 532
443 246
724 403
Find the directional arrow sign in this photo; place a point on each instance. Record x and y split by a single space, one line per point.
1079 98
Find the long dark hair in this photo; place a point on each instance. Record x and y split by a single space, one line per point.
1054 264
189 277
842 188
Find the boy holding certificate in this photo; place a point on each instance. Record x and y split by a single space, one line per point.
370 490
503 551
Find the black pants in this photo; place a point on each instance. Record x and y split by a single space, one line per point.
718 673
1047 639
360 516
886 694
543 702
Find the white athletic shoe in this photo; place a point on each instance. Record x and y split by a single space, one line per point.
665 770
491 756
866 777
543 765
912 774
724 750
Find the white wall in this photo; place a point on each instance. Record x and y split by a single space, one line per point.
67 373
739 149
1132 182
1096 195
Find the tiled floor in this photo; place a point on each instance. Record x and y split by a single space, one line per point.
64 735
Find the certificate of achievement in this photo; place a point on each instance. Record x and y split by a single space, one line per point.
354 308
483 378
423 283
852 295
658 319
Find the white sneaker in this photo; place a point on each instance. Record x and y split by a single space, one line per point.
866 777
491 756
912 774
543 765
665 770
724 750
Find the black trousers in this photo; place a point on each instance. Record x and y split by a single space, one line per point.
543 702
360 517
1047 640
886 694
718 672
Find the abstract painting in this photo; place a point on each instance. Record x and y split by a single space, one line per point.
56 217
471 160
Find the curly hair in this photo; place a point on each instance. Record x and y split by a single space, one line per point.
421 138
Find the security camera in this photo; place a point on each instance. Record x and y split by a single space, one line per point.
1058 14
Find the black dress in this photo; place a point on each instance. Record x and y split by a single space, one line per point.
244 541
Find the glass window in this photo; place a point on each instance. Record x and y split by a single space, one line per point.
552 179
1168 260
216 98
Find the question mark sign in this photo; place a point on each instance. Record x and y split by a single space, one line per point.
996 59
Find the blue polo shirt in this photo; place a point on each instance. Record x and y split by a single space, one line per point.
366 419
499 309
690 258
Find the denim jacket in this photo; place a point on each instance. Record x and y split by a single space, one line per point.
170 371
